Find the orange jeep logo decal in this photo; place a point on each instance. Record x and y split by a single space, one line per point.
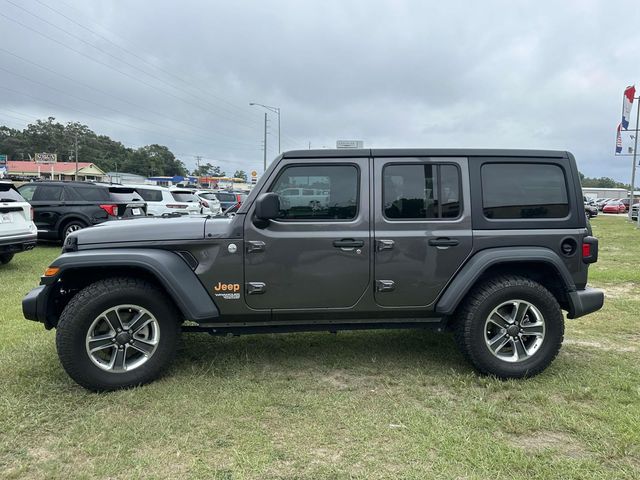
227 291
227 287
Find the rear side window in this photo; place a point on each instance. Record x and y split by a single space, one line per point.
150 195
226 197
92 194
421 191
8 193
524 190
184 197
123 194
318 192
47 193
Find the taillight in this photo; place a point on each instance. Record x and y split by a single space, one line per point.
586 250
110 209
589 249
238 198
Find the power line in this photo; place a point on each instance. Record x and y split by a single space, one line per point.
111 108
92 115
104 92
142 59
110 67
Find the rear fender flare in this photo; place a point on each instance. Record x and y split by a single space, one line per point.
469 274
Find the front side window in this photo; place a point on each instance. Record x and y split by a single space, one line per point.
318 192
524 190
421 191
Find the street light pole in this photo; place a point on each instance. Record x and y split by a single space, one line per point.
265 143
275 110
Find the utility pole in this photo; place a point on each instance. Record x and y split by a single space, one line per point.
265 143
76 155
635 150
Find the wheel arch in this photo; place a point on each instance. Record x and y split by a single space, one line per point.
536 263
165 269
70 217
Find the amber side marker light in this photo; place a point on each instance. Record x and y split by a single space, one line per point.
51 271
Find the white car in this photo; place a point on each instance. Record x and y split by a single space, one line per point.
209 202
162 201
17 230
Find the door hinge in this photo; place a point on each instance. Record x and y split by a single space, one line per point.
384 245
254 246
255 288
385 285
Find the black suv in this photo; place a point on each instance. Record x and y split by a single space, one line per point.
490 244
61 208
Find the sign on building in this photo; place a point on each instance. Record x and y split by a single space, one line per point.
46 157
3 160
349 143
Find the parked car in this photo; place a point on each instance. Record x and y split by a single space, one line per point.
162 201
494 254
186 195
17 230
626 202
614 207
603 202
227 199
61 208
590 210
210 205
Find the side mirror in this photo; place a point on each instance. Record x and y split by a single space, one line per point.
268 206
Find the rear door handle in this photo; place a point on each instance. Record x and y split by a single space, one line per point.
348 243
443 242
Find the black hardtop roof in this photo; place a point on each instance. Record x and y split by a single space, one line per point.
423 152
67 182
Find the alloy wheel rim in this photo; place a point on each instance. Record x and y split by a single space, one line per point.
72 228
514 331
122 338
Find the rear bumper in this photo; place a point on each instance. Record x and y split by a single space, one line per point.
583 302
18 243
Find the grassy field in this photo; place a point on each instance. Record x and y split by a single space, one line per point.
394 404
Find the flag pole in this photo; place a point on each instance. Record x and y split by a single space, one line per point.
635 153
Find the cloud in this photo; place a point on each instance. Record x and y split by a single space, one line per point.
534 74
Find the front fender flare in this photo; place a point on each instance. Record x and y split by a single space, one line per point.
168 268
481 261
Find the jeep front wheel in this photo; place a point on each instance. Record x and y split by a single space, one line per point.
117 333
510 327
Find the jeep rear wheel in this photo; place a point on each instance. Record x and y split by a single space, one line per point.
510 327
117 333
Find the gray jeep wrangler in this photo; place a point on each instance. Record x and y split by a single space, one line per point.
491 244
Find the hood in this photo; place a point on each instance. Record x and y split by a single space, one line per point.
150 231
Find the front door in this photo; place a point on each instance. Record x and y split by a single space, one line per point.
422 227
316 255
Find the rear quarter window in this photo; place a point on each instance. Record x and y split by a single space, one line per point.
8 193
524 191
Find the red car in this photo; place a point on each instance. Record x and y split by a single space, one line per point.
614 207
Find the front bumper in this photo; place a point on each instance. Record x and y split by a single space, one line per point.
583 302
34 304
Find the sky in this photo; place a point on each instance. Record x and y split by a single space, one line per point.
432 74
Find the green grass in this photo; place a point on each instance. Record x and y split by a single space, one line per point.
387 404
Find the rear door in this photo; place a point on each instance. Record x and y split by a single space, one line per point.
316 255
422 227
129 201
47 202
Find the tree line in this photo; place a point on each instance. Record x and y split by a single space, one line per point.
109 155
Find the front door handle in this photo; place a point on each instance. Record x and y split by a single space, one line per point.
348 243
443 242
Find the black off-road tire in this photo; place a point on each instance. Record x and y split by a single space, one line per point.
87 305
5 258
480 302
